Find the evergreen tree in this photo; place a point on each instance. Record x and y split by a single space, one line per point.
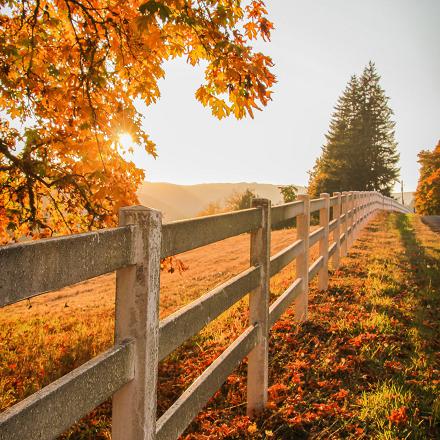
360 152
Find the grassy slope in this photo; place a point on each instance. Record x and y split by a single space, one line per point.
364 365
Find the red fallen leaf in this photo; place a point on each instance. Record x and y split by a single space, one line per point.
393 365
277 392
12 366
398 416
341 394
271 405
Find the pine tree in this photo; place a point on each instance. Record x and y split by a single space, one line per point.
360 151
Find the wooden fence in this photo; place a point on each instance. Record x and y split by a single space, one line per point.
128 371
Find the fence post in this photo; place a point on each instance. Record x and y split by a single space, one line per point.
337 231
351 218
345 211
137 317
302 261
324 215
258 358
357 205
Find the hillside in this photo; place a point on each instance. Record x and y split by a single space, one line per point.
185 201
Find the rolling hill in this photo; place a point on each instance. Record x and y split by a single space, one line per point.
185 201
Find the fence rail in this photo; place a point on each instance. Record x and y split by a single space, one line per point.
128 371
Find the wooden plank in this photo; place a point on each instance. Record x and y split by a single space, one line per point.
332 225
34 267
316 205
285 256
342 238
332 249
190 319
315 236
179 415
184 235
286 211
50 411
314 268
283 302
333 201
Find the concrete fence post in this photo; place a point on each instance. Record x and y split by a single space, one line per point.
258 359
324 215
345 224
337 231
302 261
137 318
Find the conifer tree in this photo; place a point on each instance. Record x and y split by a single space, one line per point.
360 152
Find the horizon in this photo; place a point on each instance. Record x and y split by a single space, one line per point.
245 183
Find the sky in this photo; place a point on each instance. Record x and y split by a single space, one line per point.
316 46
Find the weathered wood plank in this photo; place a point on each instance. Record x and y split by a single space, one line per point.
283 302
50 411
332 249
184 235
285 256
180 414
316 205
187 321
332 225
342 237
314 268
333 201
34 267
315 236
286 211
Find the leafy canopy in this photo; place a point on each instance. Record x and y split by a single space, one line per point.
361 151
69 72
427 197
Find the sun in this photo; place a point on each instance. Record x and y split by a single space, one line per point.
126 141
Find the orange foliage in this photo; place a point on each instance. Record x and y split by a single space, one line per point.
70 70
427 196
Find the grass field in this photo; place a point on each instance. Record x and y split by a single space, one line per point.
365 365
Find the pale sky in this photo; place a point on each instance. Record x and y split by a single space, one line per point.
316 46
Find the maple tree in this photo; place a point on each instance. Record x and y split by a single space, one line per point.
427 197
69 73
